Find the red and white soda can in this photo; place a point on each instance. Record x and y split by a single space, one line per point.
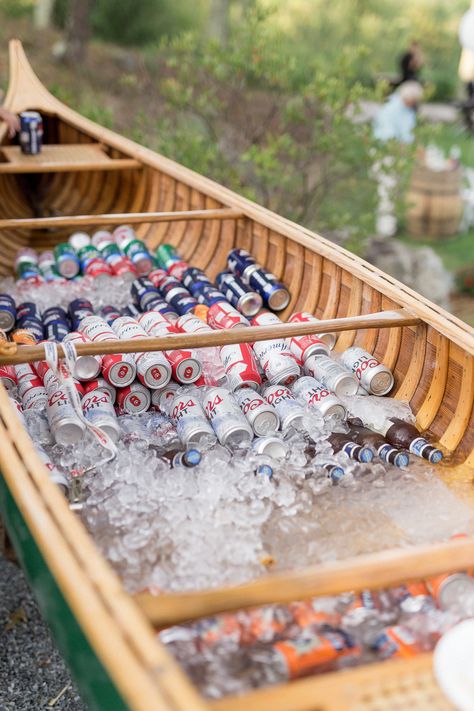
133 399
223 315
156 276
153 369
122 266
32 393
8 376
304 317
120 369
65 425
100 384
277 361
98 409
240 366
86 367
98 268
185 367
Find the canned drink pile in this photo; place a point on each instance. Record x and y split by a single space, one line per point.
277 643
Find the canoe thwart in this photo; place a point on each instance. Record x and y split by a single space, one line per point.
119 218
69 157
373 571
382 319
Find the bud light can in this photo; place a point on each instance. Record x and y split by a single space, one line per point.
209 295
228 422
238 260
78 309
109 313
194 279
274 294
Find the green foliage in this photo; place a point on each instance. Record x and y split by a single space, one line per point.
249 117
13 9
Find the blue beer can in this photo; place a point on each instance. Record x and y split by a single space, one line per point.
34 326
238 260
275 295
56 331
209 295
245 300
110 313
78 309
27 309
31 132
8 312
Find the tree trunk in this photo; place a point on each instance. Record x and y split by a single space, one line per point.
78 29
43 13
219 20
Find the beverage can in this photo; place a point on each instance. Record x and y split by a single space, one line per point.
238 260
27 309
86 367
223 315
185 367
56 331
237 293
166 255
226 418
304 317
143 291
98 269
67 262
100 384
187 415
332 375
163 398
316 395
102 239
288 409
240 366
8 312
209 295
274 294
273 447
79 240
24 337
8 376
119 369
156 276
55 474
194 279
374 377
98 409
78 309
261 415
31 132
123 234
396 642
189 323
33 326
109 313
64 423
177 269
275 358
133 398
201 311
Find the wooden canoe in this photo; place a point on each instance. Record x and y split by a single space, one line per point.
88 175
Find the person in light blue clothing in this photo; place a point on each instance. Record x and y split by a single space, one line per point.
397 117
396 120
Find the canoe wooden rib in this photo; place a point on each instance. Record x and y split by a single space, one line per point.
105 635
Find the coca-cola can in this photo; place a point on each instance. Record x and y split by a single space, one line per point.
100 384
332 375
8 376
304 317
188 416
223 315
275 358
273 447
316 395
153 369
119 369
98 408
287 407
65 425
163 398
258 411
228 422
32 393
372 375
240 366
86 367
185 367
133 399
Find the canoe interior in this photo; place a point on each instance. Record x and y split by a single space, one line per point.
433 373
433 366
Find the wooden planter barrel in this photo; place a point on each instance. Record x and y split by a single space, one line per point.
108 637
434 203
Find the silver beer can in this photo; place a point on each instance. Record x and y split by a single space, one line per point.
316 395
276 359
189 418
86 367
288 409
240 366
262 416
65 425
304 317
118 369
372 375
228 422
332 375
153 369
55 474
185 367
33 394
303 347
273 447
25 371
98 408
163 398
101 384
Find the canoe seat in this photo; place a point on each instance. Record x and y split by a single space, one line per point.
64 158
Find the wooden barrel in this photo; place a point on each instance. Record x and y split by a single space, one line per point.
434 202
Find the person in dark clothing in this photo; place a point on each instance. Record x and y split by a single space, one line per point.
411 63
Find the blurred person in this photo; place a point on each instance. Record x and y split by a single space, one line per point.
12 121
411 63
395 120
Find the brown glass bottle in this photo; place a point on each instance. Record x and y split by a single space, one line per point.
344 443
385 451
404 434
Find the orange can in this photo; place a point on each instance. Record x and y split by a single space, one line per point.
315 652
23 337
397 642
306 613
201 312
